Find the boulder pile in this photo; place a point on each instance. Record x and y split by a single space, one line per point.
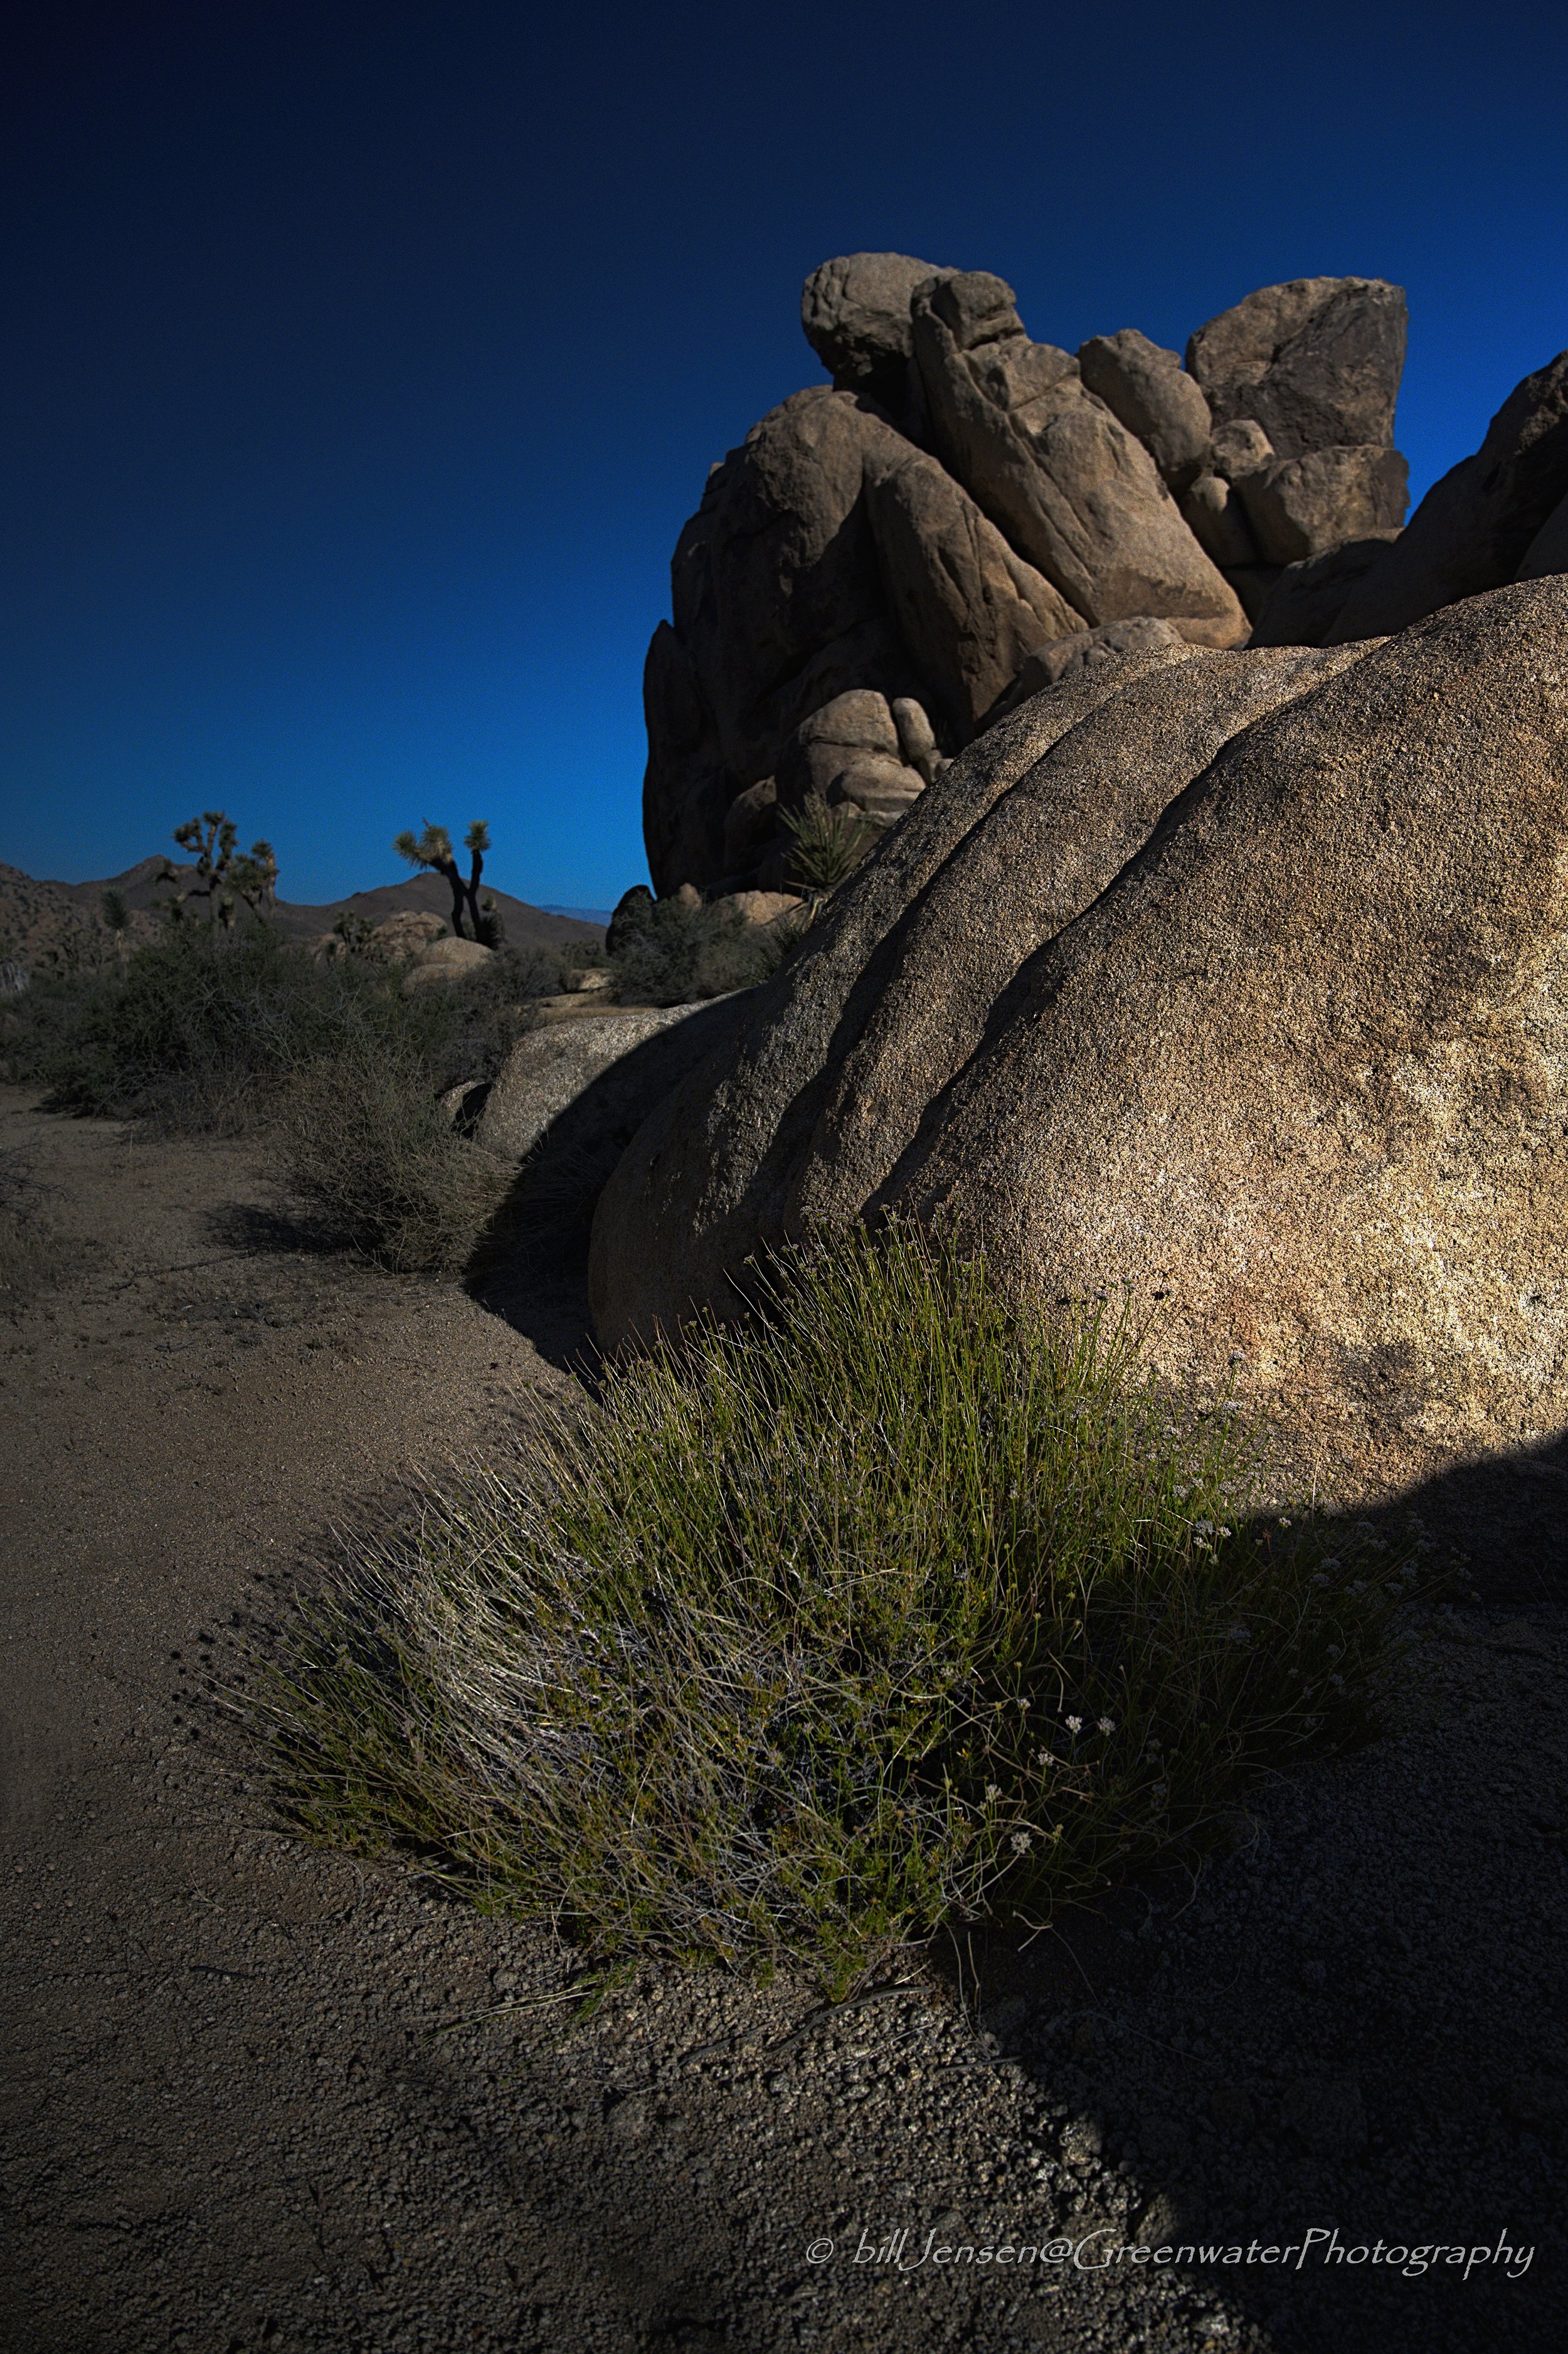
870 573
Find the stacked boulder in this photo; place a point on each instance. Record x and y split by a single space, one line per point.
872 574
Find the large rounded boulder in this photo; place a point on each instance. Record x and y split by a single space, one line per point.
1236 978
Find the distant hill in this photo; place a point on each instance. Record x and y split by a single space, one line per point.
35 915
526 926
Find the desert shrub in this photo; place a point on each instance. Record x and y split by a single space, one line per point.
667 953
830 841
374 1164
199 1029
184 1033
897 1605
466 1030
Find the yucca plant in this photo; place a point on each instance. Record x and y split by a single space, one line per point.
829 838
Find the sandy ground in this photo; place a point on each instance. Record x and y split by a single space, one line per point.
257 2095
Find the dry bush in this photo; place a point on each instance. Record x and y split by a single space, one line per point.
375 1165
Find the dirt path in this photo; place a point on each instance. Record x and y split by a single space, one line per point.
258 2096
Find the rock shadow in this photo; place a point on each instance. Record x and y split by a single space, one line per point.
530 1265
1351 2021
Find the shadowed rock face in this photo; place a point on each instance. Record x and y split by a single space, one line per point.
1475 529
1235 977
1317 361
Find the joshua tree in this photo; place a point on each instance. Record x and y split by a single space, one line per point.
432 850
255 877
219 862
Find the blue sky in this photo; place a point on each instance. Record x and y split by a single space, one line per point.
365 359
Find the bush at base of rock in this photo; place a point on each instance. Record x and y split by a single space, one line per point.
676 952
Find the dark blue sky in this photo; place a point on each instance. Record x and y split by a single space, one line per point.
364 360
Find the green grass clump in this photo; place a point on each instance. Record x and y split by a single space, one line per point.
898 1605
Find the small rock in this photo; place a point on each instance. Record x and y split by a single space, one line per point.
1083 2139
1159 2223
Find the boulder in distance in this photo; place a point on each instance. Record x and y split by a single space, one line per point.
444 961
549 1069
967 607
1075 493
1300 508
1307 598
854 313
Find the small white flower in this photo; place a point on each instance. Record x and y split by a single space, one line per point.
1332 1561
1202 1528
1334 1650
1319 1578
991 1793
1108 1724
1240 1635
1282 1521
1021 1842
1073 1723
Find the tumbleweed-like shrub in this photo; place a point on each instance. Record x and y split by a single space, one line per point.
895 1604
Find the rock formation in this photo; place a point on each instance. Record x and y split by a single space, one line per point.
1479 526
888 552
1235 977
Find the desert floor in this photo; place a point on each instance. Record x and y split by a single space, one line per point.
256 2094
